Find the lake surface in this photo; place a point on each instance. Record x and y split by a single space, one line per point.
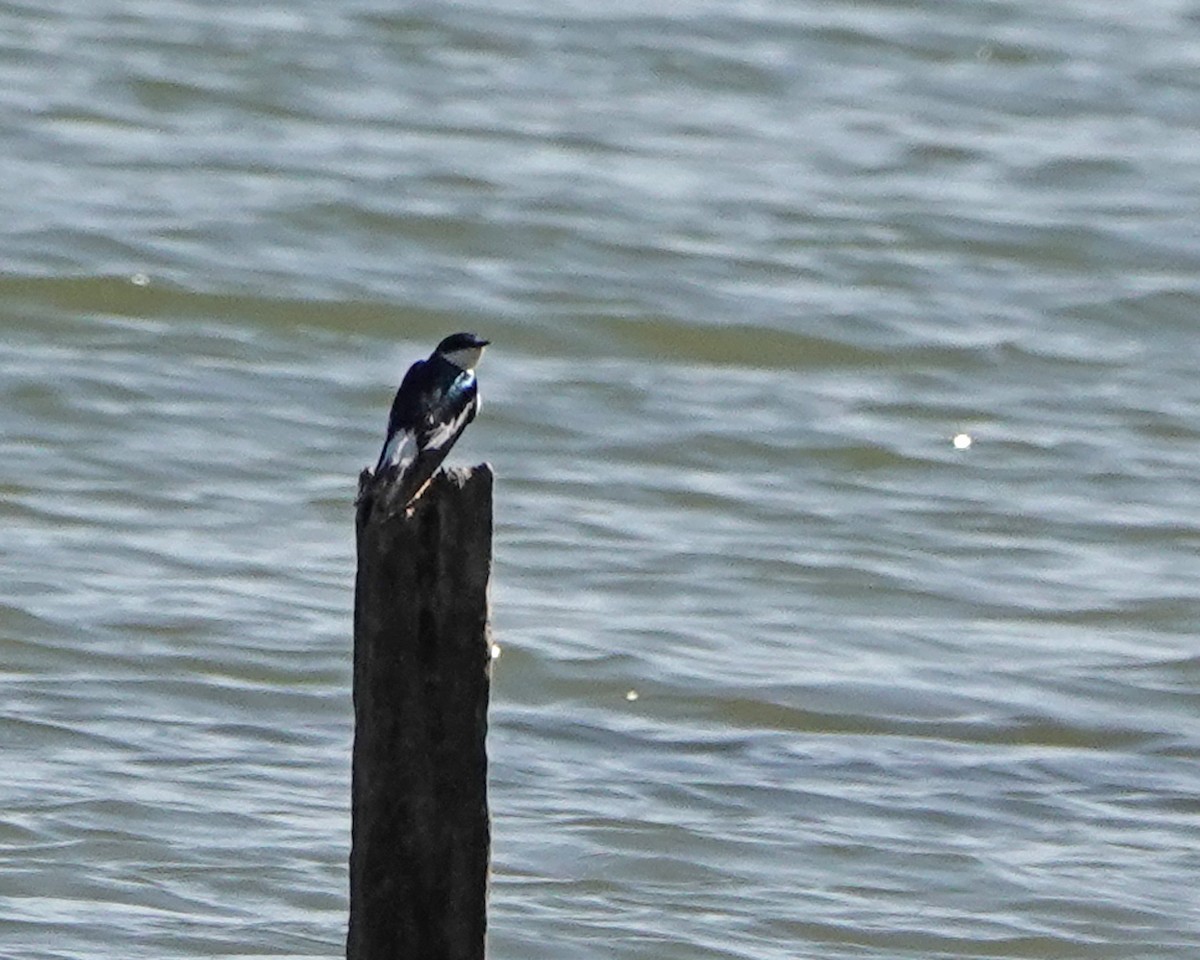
786 671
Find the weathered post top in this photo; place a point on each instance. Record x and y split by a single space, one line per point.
422 670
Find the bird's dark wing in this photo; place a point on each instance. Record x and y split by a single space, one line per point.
448 413
406 407
405 418
439 432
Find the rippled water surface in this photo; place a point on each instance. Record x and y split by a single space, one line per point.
786 673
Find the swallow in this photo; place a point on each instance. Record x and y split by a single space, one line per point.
437 398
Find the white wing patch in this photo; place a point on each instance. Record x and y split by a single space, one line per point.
401 450
445 432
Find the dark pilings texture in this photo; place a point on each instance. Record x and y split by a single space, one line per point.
422 670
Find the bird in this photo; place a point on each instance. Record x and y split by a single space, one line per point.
436 400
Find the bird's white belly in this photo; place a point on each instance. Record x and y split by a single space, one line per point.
445 432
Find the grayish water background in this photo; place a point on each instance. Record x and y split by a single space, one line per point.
748 268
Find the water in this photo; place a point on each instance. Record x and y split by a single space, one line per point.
748 270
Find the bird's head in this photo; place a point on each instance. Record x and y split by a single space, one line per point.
463 349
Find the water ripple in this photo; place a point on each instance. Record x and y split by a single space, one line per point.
786 670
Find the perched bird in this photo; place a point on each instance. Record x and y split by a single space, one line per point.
436 400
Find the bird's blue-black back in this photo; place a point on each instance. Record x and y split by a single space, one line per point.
432 392
435 402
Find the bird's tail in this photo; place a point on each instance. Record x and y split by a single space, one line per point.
411 466
416 476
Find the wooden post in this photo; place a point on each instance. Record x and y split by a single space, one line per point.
419 857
